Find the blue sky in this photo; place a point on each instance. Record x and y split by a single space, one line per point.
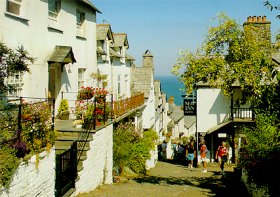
167 26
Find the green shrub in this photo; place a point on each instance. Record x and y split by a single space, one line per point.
260 155
131 149
8 164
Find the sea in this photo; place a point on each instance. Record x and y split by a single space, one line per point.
172 87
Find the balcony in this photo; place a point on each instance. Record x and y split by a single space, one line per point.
128 105
242 114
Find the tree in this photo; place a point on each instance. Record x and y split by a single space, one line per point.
229 55
12 61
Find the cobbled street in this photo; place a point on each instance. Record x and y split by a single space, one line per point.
168 179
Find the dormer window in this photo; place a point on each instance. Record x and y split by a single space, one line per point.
13 6
54 7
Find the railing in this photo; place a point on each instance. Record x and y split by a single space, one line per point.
66 170
18 112
243 113
121 107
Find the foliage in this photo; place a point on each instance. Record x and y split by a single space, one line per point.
8 165
12 61
37 130
63 106
131 149
101 78
229 55
261 153
87 93
271 6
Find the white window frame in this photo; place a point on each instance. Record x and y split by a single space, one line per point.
16 81
81 77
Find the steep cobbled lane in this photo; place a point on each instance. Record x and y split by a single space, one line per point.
168 179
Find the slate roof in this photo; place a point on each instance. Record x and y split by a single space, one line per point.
189 121
157 92
175 112
129 57
88 3
62 54
102 30
120 39
142 79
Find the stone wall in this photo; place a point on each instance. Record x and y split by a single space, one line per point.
33 180
253 189
99 163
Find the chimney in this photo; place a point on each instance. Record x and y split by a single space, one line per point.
148 60
259 28
171 100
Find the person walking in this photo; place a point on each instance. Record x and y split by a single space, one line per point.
221 155
190 152
203 151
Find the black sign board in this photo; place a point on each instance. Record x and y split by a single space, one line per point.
189 107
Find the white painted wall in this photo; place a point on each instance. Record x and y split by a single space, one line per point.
29 181
39 35
151 163
212 108
149 111
122 70
99 163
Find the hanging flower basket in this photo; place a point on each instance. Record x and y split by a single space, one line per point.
85 93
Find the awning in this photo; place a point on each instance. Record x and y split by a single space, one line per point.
62 54
217 127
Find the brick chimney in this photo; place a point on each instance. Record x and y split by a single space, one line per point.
260 28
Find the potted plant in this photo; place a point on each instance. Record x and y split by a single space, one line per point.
63 110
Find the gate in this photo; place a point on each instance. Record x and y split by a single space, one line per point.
66 170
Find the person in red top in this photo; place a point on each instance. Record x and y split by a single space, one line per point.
221 155
203 151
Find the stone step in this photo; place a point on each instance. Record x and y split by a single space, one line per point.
74 138
67 145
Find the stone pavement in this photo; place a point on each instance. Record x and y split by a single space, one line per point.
168 179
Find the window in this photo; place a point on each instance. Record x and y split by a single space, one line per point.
54 8
15 81
80 19
81 76
13 6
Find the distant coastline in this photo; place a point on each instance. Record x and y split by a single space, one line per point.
172 87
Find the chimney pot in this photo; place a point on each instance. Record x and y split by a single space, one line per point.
249 19
259 19
254 19
263 18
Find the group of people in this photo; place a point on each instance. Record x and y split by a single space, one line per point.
221 155
186 154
